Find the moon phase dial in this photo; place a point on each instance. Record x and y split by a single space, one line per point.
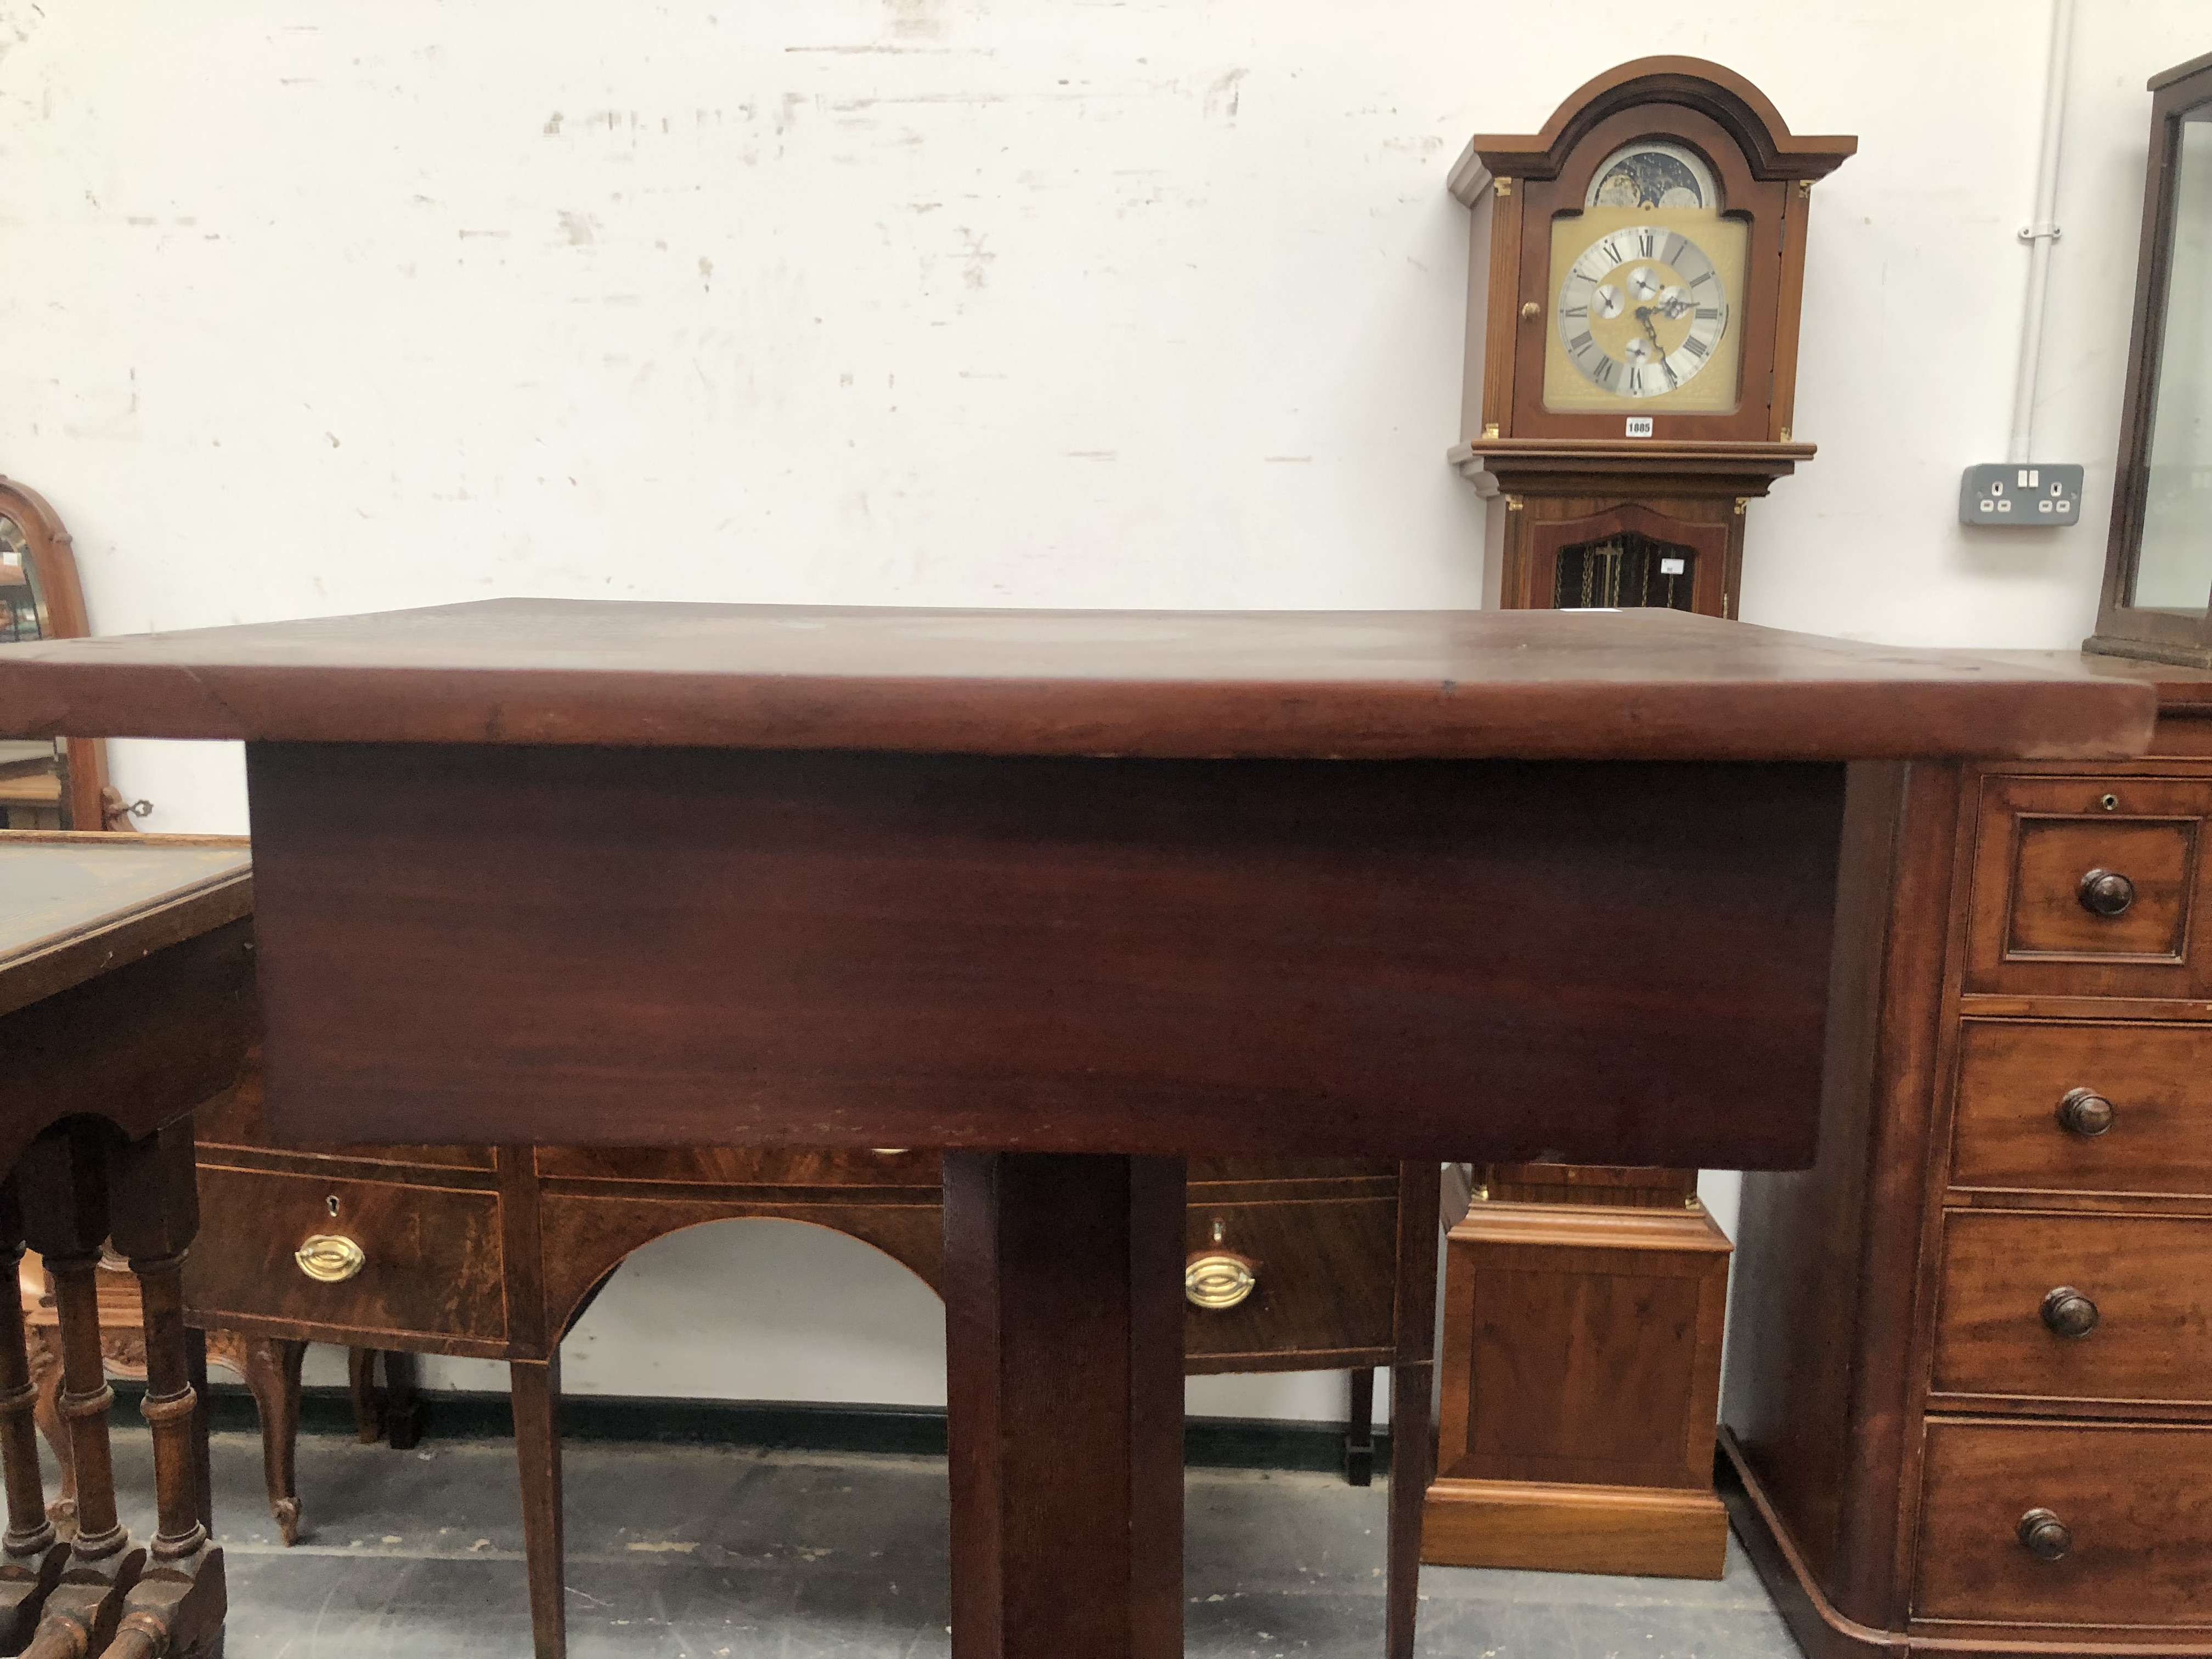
1640 310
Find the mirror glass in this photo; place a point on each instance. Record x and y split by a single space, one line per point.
2173 562
33 772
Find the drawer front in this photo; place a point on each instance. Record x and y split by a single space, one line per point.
2136 1502
2148 1280
1324 1276
2038 931
2033 1094
432 1254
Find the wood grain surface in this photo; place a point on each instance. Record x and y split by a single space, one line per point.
592 946
2013 1074
2150 1278
434 1254
1292 684
2036 837
1552 1526
1063 1330
2133 1496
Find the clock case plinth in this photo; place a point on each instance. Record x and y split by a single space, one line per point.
1571 477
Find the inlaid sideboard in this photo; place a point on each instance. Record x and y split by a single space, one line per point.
496 1253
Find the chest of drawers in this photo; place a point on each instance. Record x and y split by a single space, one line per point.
1969 1400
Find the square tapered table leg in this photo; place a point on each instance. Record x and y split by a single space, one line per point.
1063 1280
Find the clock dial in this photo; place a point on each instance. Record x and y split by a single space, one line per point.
1642 305
1642 311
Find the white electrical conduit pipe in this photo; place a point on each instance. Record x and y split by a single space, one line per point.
2041 233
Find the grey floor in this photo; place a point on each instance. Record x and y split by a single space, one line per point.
690 1552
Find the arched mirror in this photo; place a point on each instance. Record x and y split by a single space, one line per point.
46 783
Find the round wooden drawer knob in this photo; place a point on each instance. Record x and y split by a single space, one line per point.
1217 1279
330 1258
2106 892
2043 1536
2069 1313
2085 1113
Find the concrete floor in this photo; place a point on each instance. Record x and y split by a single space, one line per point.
695 1553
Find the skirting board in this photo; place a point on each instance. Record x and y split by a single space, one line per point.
1208 1442
1643 1531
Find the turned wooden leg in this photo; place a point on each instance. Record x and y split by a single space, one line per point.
196 1371
177 1608
30 1553
271 1365
1063 1301
1359 1429
360 1384
47 1412
534 1386
63 1180
1413 1440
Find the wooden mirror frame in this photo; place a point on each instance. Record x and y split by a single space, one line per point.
83 762
2125 629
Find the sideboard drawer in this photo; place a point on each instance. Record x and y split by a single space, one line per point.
1322 1273
2073 896
2082 1107
2142 1287
431 1254
2131 1505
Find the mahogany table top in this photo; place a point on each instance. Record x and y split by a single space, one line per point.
1351 684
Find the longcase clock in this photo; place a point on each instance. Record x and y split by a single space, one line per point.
1630 394
1633 385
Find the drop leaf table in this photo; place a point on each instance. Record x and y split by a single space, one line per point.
1070 895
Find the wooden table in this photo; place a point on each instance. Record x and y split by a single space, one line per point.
126 999
1070 895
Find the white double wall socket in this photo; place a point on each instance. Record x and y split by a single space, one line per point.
2020 495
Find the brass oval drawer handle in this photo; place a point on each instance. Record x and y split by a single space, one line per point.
2043 1536
1217 1279
2085 1113
2105 892
2069 1313
330 1258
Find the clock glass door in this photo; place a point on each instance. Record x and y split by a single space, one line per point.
1625 572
